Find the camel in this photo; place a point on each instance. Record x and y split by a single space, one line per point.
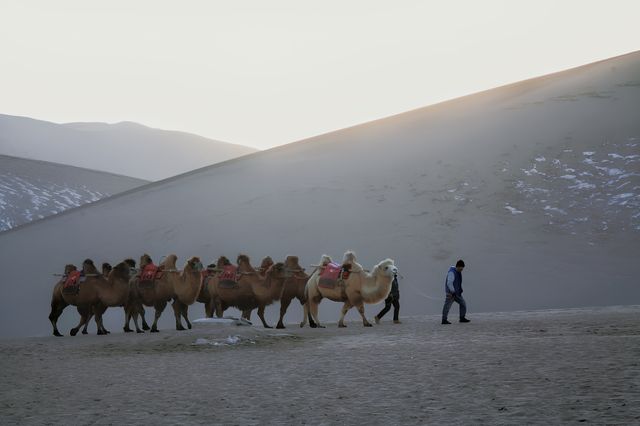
94 295
181 286
186 290
358 288
113 291
293 287
208 293
136 307
253 290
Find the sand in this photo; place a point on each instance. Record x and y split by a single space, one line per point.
553 366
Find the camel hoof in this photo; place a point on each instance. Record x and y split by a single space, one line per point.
146 327
368 325
267 326
280 326
85 332
100 333
342 325
181 328
73 331
127 330
189 326
139 331
154 330
57 333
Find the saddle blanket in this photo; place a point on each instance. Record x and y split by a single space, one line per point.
149 274
72 283
228 277
331 273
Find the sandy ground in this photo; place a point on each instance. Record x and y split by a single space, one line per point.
559 366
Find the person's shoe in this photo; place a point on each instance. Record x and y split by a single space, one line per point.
464 320
376 319
445 322
397 322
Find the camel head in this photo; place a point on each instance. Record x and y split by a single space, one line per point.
194 264
385 268
88 267
145 260
69 268
223 261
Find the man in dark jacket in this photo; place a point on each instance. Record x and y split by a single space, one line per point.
392 299
453 291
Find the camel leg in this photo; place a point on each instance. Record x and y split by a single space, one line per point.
141 312
98 312
127 320
135 314
177 307
208 309
185 314
85 314
261 316
365 322
305 315
313 313
219 308
246 314
56 311
159 308
345 308
284 304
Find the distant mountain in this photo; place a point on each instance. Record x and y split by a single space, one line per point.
31 190
536 185
125 148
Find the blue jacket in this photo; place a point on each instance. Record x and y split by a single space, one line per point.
453 282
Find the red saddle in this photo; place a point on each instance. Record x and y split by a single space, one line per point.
228 276
72 282
150 273
333 272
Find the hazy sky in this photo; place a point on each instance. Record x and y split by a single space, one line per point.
264 73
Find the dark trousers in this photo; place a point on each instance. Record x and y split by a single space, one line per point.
447 305
387 305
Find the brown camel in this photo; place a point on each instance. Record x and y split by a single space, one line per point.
114 290
186 290
252 290
209 293
136 307
293 286
92 296
359 288
181 286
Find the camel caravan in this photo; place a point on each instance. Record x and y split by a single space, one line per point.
219 286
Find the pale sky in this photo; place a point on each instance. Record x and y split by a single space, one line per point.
264 73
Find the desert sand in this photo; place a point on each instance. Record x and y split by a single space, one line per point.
534 367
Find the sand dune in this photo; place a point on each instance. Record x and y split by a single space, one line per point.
545 367
463 179
32 190
125 148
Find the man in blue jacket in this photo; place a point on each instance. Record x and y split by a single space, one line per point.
453 290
